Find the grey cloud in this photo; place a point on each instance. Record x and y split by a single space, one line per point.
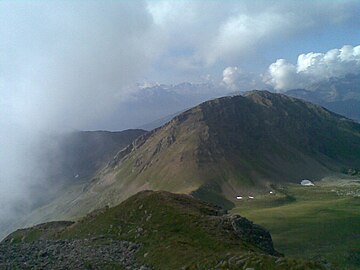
74 59
63 65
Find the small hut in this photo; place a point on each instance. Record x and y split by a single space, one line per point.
306 183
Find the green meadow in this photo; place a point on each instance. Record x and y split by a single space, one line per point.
321 222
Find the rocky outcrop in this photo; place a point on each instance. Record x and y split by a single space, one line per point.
253 233
128 149
70 254
248 232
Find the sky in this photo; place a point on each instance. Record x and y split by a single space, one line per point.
76 58
71 64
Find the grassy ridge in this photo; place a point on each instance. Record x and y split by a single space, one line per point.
175 231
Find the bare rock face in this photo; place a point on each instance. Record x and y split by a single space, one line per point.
253 233
248 232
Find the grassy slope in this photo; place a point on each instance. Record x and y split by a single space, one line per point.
311 221
175 230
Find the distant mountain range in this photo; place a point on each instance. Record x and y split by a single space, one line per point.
148 104
222 148
154 106
340 95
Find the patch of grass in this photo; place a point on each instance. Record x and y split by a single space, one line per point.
316 222
26 235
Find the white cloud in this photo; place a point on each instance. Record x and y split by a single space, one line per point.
204 34
236 79
282 75
314 67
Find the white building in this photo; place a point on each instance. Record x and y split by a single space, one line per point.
307 183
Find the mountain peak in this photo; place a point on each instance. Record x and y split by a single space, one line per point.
229 147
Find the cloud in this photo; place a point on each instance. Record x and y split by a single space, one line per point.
203 34
313 67
73 59
236 79
63 65
242 34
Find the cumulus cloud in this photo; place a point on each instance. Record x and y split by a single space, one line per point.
230 76
236 79
314 67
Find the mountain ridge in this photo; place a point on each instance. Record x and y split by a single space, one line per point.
230 146
150 230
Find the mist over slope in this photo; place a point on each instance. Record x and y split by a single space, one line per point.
64 160
80 154
223 148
